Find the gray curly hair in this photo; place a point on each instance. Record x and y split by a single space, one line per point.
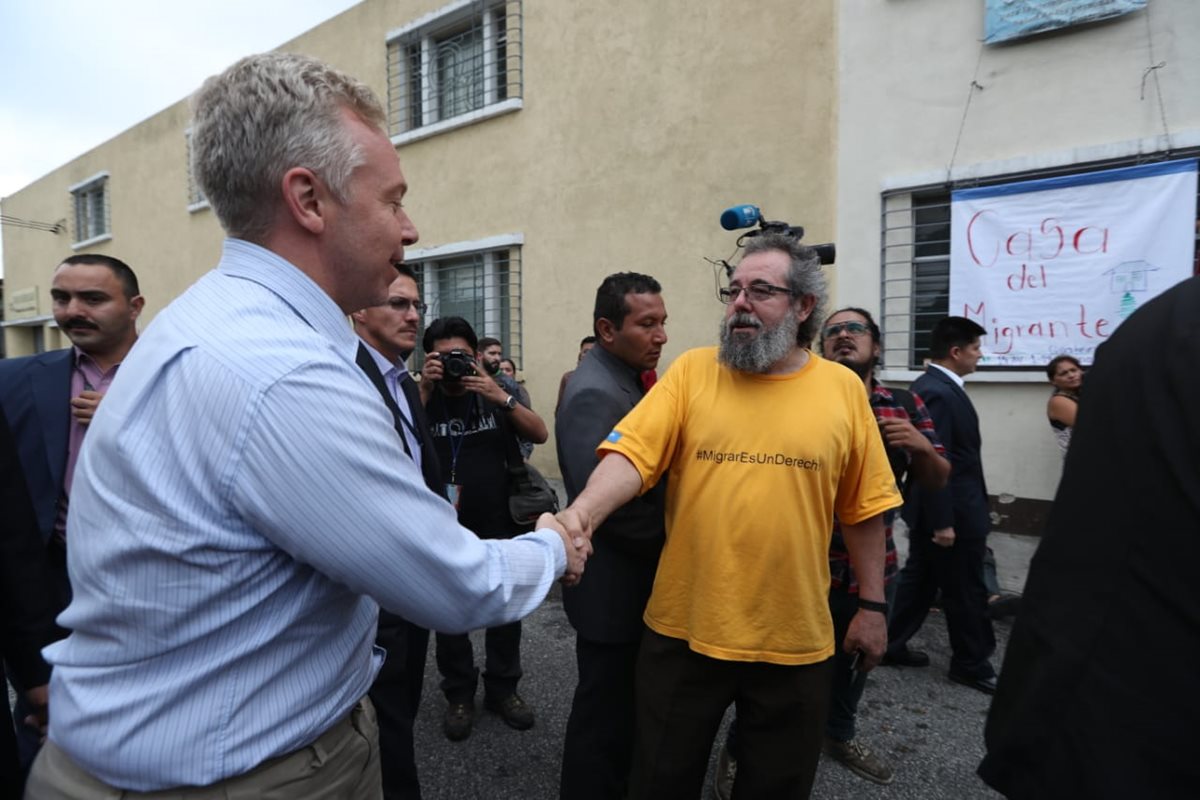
804 277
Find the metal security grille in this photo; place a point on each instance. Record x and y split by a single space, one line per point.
91 210
195 193
482 288
461 62
915 256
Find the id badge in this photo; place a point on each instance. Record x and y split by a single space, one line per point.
453 493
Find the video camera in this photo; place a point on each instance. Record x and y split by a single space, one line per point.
746 215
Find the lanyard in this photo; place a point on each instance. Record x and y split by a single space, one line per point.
456 442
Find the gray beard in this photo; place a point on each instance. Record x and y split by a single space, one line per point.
759 353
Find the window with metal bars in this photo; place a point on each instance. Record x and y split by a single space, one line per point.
195 198
90 209
915 257
484 288
458 67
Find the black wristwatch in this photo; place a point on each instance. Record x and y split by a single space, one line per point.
871 605
510 403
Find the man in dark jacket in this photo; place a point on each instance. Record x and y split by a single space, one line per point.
606 610
1098 695
26 607
949 526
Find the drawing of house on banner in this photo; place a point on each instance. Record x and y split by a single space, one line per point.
1129 277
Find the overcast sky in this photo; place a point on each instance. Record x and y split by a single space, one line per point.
75 73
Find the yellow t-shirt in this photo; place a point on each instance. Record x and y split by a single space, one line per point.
758 466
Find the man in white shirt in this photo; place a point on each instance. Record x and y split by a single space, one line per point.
249 505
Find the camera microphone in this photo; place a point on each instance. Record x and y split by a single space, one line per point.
745 216
740 217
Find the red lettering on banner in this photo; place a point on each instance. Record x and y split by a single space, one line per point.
971 240
1027 249
1003 336
1102 247
1025 279
1046 244
1058 231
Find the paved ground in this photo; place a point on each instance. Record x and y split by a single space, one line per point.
928 728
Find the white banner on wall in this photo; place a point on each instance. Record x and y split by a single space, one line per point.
1053 266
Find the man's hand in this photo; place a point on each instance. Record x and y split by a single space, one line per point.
868 633
83 407
902 433
431 373
577 522
485 386
39 701
944 537
578 548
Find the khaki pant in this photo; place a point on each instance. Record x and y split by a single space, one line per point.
343 764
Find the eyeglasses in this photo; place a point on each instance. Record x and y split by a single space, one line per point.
755 292
852 328
403 304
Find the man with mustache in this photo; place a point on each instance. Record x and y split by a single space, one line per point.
50 399
763 441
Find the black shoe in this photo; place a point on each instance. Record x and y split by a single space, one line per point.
905 658
1004 605
985 685
512 709
458 721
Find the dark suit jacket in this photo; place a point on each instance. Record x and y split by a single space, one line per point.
26 611
607 606
1097 697
35 395
393 630
963 502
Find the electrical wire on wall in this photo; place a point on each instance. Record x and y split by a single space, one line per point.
1152 70
975 86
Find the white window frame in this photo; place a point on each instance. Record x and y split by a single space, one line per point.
84 190
494 293
426 32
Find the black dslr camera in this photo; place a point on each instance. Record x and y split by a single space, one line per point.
456 365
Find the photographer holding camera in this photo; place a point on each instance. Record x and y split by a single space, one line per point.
471 420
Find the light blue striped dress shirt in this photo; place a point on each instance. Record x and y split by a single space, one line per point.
240 498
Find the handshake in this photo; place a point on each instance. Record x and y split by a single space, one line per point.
575 528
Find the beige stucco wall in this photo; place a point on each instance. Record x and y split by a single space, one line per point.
641 123
1075 96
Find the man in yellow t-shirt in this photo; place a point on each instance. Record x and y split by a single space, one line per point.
764 441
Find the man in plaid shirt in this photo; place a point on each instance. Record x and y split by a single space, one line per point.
851 337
